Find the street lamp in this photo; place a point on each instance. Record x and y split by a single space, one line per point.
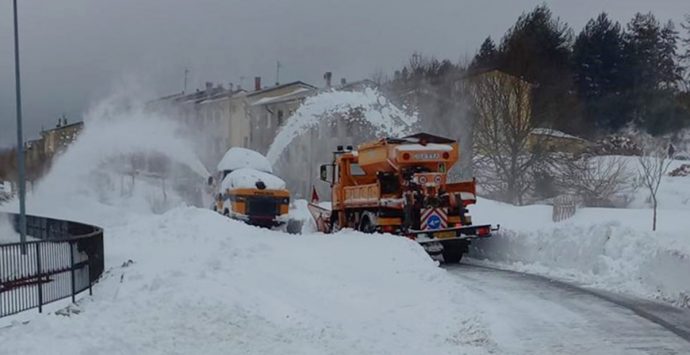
20 138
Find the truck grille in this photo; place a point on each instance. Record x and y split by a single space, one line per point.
260 206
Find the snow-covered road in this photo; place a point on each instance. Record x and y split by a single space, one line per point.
534 315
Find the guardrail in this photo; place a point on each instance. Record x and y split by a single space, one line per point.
63 259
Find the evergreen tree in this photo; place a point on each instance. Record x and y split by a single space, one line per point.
651 57
486 58
599 73
537 49
685 57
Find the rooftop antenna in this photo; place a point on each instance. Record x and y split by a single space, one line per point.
277 72
186 71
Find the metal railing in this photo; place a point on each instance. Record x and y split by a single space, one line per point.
65 259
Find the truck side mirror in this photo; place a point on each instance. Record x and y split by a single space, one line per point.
210 181
324 173
327 173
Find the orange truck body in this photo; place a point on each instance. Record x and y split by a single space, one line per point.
400 186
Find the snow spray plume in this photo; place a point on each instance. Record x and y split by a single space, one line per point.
373 109
125 160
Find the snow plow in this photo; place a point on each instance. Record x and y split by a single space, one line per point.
399 186
248 190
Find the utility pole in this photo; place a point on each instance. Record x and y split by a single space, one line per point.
20 137
277 73
184 88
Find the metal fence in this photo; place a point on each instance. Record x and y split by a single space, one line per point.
63 259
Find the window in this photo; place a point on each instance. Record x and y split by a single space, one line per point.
356 170
280 118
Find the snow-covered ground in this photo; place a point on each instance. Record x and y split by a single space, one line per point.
201 283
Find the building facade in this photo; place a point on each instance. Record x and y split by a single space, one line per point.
222 118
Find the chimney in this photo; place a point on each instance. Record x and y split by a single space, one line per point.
343 81
327 76
257 83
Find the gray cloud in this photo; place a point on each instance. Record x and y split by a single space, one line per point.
75 51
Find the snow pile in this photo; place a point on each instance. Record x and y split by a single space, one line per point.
612 249
237 158
247 178
375 109
192 281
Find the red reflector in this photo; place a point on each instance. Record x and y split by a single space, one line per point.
446 155
482 231
388 229
406 156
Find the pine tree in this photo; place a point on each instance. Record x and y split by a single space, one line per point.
486 57
685 57
537 49
654 74
599 73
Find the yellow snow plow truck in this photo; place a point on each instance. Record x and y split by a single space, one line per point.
401 186
248 190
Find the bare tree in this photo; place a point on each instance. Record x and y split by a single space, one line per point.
596 180
505 155
654 164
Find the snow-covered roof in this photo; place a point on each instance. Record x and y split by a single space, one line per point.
238 158
554 133
247 178
424 148
273 99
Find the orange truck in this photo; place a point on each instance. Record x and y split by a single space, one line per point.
400 186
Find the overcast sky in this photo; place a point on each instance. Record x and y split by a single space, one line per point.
74 52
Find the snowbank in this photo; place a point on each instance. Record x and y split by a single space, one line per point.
237 158
381 114
612 249
200 283
247 178
7 232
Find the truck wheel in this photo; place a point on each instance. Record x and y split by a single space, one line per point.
452 256
366 225
226 212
